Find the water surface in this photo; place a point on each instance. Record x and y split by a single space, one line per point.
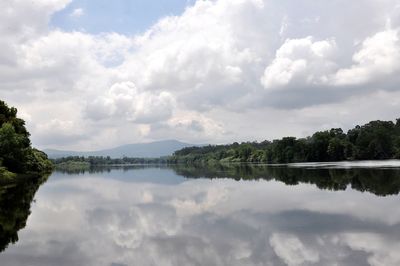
304 214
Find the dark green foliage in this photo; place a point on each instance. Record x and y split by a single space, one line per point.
16 153
374 141
6 175
13 148
38 162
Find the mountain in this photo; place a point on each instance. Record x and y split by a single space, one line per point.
139 150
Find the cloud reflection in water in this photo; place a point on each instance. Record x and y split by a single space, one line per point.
98 220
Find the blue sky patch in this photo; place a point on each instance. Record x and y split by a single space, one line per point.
122 16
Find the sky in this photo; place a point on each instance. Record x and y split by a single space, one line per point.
93 74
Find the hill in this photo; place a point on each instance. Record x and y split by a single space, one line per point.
138 150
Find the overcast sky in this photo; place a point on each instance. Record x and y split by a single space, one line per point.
91 74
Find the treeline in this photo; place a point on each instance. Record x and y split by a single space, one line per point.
375 140
76 161
16 154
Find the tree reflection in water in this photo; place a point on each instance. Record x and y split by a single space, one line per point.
379 181
376 180
15 203
171 215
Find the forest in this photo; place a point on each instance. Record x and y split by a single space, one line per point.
376 140
16 153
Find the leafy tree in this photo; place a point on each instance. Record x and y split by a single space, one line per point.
336 149
13 148
16 153
375 140
319 146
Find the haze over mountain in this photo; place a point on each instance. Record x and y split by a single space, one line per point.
143 150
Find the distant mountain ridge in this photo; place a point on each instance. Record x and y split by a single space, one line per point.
138 150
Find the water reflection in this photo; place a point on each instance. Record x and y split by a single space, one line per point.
101 219
379 181
15 202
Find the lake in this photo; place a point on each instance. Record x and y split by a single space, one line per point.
299 214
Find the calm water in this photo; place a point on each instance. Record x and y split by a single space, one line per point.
305 214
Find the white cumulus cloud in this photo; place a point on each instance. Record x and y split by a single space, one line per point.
124 100
221 71
379 57
299 62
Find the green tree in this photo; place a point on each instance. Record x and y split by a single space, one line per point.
13 148
16 153
320 143
375 140
336 149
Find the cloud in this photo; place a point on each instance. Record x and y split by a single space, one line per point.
26 19
381 251
20 22
76 13
196 123
124 100
200 55
203 75
56 131
292 251
378 57
43 72
307 72
203 202
300 62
